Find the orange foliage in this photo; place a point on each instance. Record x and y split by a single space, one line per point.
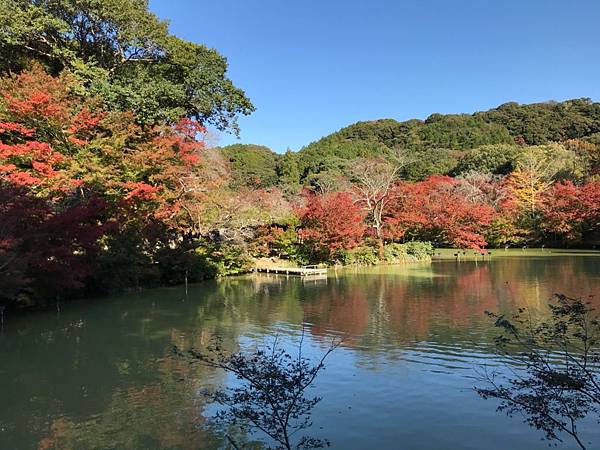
434 210
332 221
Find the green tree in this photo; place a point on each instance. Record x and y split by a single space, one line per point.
461 131
124 53
436 143
425 163
288 171
252 165
496 159
539 123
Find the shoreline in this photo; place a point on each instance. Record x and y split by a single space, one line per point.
440 255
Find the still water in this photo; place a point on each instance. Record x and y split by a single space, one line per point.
101 375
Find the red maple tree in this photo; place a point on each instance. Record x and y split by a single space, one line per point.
82 174
435 210
332 221
569 210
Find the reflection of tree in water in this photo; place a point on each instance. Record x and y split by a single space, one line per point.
153 416
379 323
111 389
377 310
123 389
162 413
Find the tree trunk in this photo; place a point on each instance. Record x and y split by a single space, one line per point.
380 246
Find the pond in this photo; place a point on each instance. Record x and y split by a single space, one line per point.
101 374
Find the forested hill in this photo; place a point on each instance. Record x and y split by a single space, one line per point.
437 145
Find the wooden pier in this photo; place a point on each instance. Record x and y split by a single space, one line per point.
300 271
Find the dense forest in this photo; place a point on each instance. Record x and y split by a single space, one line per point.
106 180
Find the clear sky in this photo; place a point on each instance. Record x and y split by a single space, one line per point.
313 66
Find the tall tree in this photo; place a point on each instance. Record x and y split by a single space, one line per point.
289 171
374 179
483 188
331 222
537 169
96 176
123 52
252 166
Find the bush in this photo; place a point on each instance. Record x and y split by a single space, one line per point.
422 251
224 259
180 264
127 261
413 250
395 252
285 245
362 256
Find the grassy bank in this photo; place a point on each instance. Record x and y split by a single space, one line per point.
472 255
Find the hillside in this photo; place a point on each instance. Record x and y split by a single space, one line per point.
439 142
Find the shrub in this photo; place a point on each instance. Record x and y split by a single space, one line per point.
363 256
420 250
395 252
412 250
285 245
224 259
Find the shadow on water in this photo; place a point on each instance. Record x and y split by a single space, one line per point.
101 375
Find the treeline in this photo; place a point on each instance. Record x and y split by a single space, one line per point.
106 181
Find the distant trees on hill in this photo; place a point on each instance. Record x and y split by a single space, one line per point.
450 144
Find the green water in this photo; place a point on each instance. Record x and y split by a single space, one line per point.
100 374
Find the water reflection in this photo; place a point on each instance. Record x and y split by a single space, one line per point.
101 374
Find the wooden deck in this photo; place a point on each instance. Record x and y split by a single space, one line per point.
300 271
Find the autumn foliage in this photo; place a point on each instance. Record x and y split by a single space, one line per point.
332 222
570 210
434 209
74 177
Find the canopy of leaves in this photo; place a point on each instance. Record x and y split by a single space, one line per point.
538 123
331 222
123 52
87 179
569 210
288 171
425 163
438 210
252 165
381 137
496 159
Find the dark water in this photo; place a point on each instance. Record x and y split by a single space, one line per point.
100 374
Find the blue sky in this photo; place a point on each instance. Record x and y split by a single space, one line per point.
313 66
